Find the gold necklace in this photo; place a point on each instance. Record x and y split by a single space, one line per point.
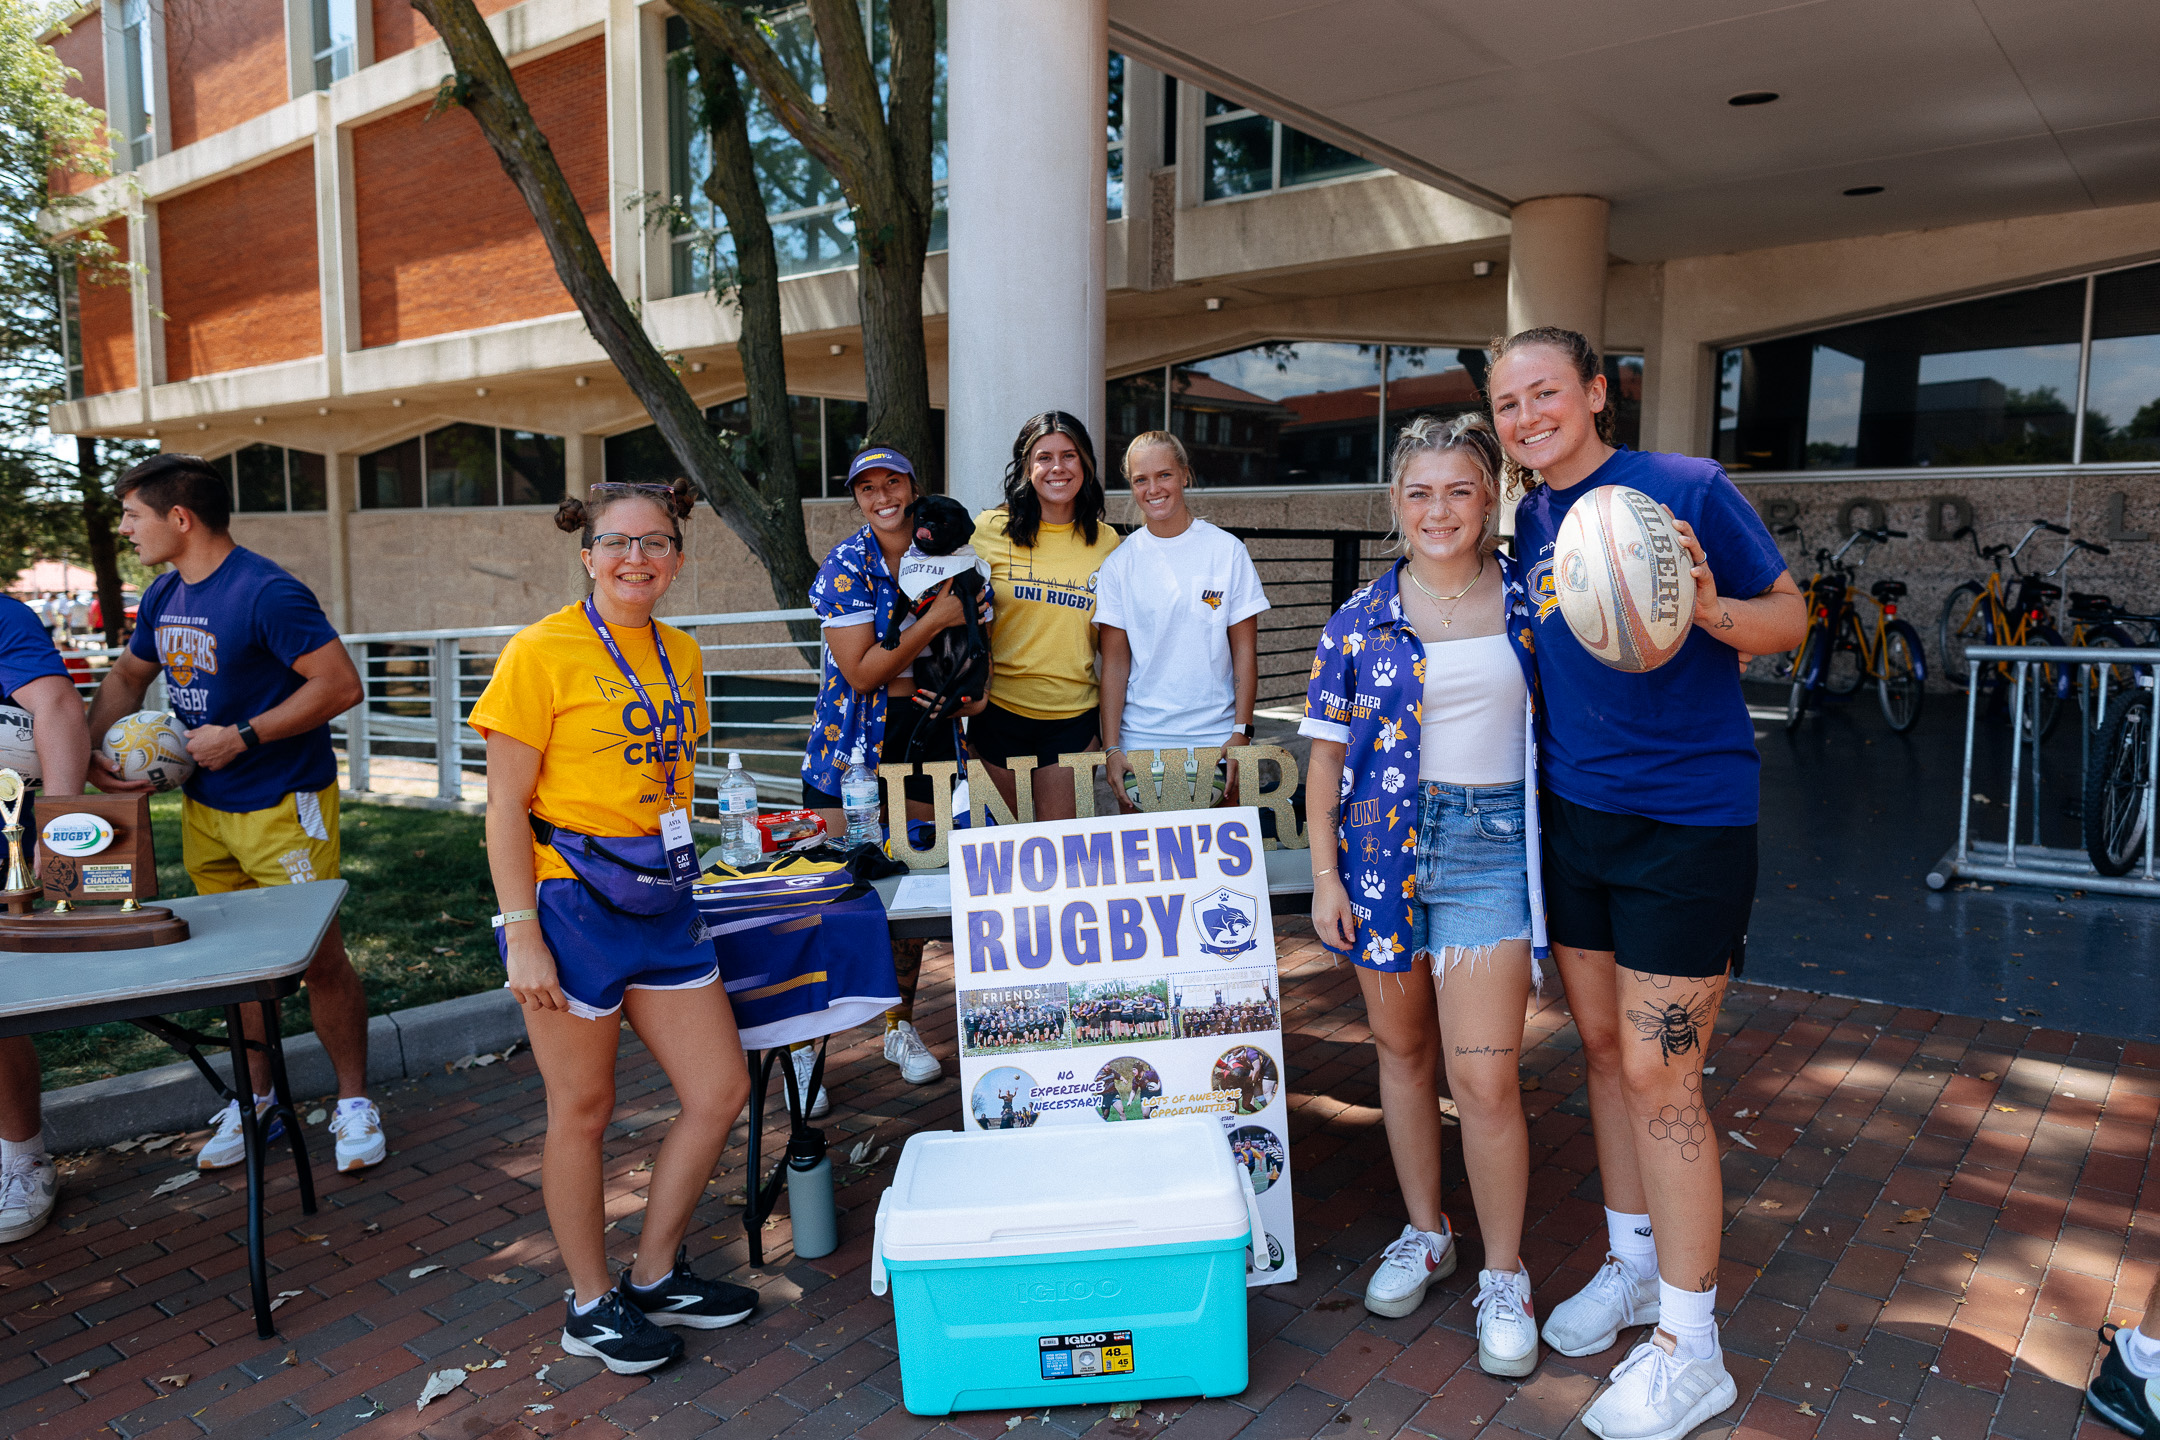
1449 618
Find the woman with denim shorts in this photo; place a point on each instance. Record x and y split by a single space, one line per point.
1425 868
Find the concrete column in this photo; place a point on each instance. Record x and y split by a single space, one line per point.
630 113
584 464
331 249
339 488
1556 265
1026 267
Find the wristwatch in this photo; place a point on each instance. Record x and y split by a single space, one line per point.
248 737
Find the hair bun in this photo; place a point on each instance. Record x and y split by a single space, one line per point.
683 498
570 515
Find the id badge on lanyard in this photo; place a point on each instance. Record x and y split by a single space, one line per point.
675 837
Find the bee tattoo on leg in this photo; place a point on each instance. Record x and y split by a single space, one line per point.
1675 1027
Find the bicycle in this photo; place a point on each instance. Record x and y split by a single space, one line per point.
1993 612
2096 619
1841 649
2118 781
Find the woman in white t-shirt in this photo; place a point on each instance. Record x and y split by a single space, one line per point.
1178 607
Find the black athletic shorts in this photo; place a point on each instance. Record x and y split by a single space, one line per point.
902 719
1665 899
998 734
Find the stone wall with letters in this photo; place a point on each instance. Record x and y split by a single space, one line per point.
2118 510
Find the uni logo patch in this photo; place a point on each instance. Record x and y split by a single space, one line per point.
1212 599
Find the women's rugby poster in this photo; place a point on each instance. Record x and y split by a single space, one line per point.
1118 969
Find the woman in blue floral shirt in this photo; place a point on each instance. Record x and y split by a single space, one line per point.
1425 869
865 701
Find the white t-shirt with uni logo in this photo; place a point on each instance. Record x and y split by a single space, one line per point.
1176 601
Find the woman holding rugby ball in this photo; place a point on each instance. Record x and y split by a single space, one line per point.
1425 863
1649 787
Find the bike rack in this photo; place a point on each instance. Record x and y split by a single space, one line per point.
2031 863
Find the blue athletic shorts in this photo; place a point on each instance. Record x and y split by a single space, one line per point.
600 952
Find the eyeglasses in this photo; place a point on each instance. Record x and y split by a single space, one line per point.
654 547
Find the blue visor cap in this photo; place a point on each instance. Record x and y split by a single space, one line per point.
879 457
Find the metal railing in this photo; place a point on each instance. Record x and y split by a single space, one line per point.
1305 583
412 736
2029 862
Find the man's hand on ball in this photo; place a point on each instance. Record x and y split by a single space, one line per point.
215 746
1710 611
109 781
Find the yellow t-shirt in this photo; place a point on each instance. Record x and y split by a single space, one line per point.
1042 643
604 754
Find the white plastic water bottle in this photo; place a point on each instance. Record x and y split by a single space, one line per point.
859 799
739 842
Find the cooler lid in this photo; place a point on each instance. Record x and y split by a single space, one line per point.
982 1194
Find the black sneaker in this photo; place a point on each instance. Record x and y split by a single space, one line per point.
684 1299
2122 1397
618 1336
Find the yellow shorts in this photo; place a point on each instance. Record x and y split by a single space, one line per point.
292 841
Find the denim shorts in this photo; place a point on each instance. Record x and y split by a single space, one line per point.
1473 884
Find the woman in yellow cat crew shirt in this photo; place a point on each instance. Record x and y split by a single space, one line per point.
1044 545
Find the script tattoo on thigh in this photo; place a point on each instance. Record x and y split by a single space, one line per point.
1684 1125
1676 1028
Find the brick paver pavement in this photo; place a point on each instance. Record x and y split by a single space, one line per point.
1928 1216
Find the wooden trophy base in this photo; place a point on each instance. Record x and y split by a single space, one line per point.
101 927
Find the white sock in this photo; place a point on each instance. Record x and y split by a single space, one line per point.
1628 1236
262 1100
356 1102
30 1149
1690 1317
2140 1351
587 1307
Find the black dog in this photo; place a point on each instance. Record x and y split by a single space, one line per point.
953 668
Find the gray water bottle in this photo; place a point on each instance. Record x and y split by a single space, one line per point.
810 1196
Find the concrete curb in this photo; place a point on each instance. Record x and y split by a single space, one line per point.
402 1045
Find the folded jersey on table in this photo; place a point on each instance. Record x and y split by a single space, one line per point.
802 945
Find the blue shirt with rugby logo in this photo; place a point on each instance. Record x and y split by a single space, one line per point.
1674 744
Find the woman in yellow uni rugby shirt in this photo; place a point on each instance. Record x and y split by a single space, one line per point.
1044 545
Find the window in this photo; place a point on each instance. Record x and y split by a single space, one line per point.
1993 381
1245 153
336 37
2122 399
269 478
138 86
828 433
1114 127
465 465
1300 412
71 329
812 226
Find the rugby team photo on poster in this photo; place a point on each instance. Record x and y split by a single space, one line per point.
1121 969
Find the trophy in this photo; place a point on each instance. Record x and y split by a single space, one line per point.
90 848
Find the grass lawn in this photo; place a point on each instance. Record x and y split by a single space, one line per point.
416 922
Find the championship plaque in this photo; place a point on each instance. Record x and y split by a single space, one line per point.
94 863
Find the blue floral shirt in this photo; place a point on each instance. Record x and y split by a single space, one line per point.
1367 693
853 587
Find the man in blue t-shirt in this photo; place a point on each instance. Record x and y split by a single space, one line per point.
255 672
35 694
1649 786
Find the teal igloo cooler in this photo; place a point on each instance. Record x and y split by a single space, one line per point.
1068 1265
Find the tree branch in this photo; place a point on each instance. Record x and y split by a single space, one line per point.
910 110
489 93
727 26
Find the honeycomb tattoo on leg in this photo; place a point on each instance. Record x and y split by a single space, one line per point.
1684 1125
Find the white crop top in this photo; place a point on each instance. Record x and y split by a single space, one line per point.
1473 731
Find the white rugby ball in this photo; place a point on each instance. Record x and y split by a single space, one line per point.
149 745
17 751
1623 579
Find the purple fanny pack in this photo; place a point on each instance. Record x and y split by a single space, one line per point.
627 873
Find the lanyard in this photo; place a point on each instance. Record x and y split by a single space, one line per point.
607 638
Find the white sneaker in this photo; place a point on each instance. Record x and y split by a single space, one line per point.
360 1141
1407 1266
803 1060
29 1188
1659 1396
1506 1324
1592 1318
229 1147
905 1048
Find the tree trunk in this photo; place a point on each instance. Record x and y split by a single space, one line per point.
879 151
485 87
97 508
